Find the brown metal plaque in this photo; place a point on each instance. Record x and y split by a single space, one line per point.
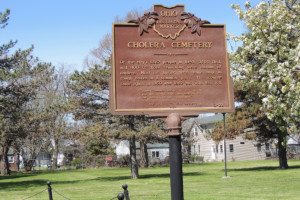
156 73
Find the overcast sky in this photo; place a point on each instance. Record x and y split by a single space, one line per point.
65 31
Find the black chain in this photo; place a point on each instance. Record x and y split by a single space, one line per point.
60 194
35 194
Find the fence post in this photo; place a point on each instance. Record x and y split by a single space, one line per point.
49 190
126 193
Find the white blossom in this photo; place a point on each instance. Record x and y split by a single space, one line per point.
273 42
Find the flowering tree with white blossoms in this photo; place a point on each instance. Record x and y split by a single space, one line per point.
266 68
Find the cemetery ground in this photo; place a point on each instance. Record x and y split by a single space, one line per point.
249 180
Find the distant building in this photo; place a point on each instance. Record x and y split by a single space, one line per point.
293 146
157 152
236 150
12 158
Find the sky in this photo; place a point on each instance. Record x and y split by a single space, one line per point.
64 32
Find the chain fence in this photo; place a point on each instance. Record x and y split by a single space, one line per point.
36 194
120 196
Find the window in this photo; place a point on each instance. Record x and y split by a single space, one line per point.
221 148
231 148
258 147
242 142
195 132
199 149
155 154
217 148
11 159
267 146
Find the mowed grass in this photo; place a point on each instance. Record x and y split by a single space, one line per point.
249 180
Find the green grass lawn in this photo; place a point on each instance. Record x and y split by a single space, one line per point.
249 180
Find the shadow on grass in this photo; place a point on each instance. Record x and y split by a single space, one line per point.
265 168
113 178
22 185
167 175
15 176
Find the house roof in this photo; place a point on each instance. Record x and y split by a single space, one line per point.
188 124
294 139
209 120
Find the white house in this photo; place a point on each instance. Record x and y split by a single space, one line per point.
236 150
157 152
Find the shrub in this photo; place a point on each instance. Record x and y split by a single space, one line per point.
77 162
195 158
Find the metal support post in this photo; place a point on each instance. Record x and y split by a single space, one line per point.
225 159
49 190
174 131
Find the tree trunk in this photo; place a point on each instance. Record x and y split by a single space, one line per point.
4 160
189 149
282 152
144 155
55 152
133 160
28 163
17 162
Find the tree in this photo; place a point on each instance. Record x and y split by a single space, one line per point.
89 93
4 18
266 69
56 114
21 76
152 131
101 54
100 144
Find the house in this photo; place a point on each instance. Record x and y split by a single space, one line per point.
11 159
157 152
237 149
293 146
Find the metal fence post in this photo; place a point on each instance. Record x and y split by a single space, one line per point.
49 190
126 193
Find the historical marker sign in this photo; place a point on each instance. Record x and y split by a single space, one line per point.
170 61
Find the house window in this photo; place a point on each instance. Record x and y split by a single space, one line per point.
231 148
11 159
199 149
155 154
195 132
258 147
217 148
242 142
221 148
267 146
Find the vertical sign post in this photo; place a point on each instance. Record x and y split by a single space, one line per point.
225 158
